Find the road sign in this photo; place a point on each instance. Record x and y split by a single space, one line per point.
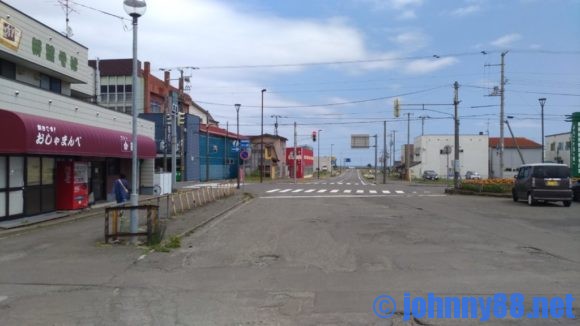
244 154
359 141
245 143
347 160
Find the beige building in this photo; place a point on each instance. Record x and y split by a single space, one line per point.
48 124
274 156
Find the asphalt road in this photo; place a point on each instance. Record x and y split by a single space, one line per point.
308 258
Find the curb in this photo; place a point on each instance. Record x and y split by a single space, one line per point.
452 191
246 199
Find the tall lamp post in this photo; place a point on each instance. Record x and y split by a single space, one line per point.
135 9
318 163
238 138
262 141
542 101
331 146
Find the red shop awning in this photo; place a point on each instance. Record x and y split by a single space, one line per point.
22 133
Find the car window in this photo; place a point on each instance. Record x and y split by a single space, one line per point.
551 171
526 172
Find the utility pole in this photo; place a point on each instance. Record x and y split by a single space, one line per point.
276 124
501 115
206 146
262 141
384 152
408 154
423 117
376 150
174 114
394 147
456 164
295 153
237 106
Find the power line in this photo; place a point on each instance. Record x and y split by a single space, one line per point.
330 104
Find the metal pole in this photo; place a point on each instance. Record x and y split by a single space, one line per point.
515 141
239 147
408 154
542 102
173 143
376 151
456 149
501 115
134 159
331 145
262 141
206 146
295 154
384 152
226 148
319 153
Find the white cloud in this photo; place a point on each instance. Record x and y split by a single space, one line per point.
424 66
506 40
392 4
407 15
410 39
464 11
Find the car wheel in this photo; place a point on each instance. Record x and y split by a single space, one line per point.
567 203
514 195
531 200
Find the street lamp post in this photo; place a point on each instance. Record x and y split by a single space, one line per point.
238 138
542 101
135 9
318 164
262 141
331 145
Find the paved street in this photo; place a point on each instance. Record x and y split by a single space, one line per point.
293 257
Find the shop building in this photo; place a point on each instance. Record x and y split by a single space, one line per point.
55 142
218 154
274 156
304 161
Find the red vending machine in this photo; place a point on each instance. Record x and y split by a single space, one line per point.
72 185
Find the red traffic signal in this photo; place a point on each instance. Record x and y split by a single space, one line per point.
314 136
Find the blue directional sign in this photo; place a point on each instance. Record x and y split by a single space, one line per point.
244 143
347 160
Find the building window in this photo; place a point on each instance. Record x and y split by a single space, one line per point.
568 145
7 69
560 146
50 83
553 147
155 107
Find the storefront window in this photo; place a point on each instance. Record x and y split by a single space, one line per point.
33 171
2 173
16 199
16 173
47 171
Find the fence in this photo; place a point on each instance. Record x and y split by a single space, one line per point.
160 208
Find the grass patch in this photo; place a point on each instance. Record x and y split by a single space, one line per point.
493 188
173 242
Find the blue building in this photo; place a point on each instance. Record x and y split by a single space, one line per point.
217 153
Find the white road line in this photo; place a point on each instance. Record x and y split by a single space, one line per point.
399 191
334 191
360 191
386 192
373 191
340 183
321 190
273 190
338 196
285 190
348 183
310 190
347 191
297 190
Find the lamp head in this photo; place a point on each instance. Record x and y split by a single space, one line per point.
263 90
542 100
135 8
237 105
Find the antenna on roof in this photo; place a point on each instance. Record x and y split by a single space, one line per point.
65 5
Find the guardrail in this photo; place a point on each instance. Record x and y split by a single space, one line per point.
118 220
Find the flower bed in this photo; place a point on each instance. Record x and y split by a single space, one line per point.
488 185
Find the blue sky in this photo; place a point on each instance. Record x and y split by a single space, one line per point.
391 42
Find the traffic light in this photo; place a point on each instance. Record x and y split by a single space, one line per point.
314 136
396 108
168 119
181 118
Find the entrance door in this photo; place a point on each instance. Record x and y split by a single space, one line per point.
11 187
39 192
98 185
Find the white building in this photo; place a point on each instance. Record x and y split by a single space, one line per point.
557 148
49 124
530 150
324 163
430 154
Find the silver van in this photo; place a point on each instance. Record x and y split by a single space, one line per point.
543 182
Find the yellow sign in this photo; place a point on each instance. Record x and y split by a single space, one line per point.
10 36
552 183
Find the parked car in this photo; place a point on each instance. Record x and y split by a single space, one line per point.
430 175
472 175
543 182
576 191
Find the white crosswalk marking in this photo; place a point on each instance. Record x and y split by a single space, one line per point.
386 192
340 183
399 191
297 190
310 190
322 190
373 191
348 183
285 190
273 190
332 183
356 183
360 191
347 191
334 191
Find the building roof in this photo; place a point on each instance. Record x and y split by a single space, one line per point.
509 143
560 134
217 131
116 67
269 135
